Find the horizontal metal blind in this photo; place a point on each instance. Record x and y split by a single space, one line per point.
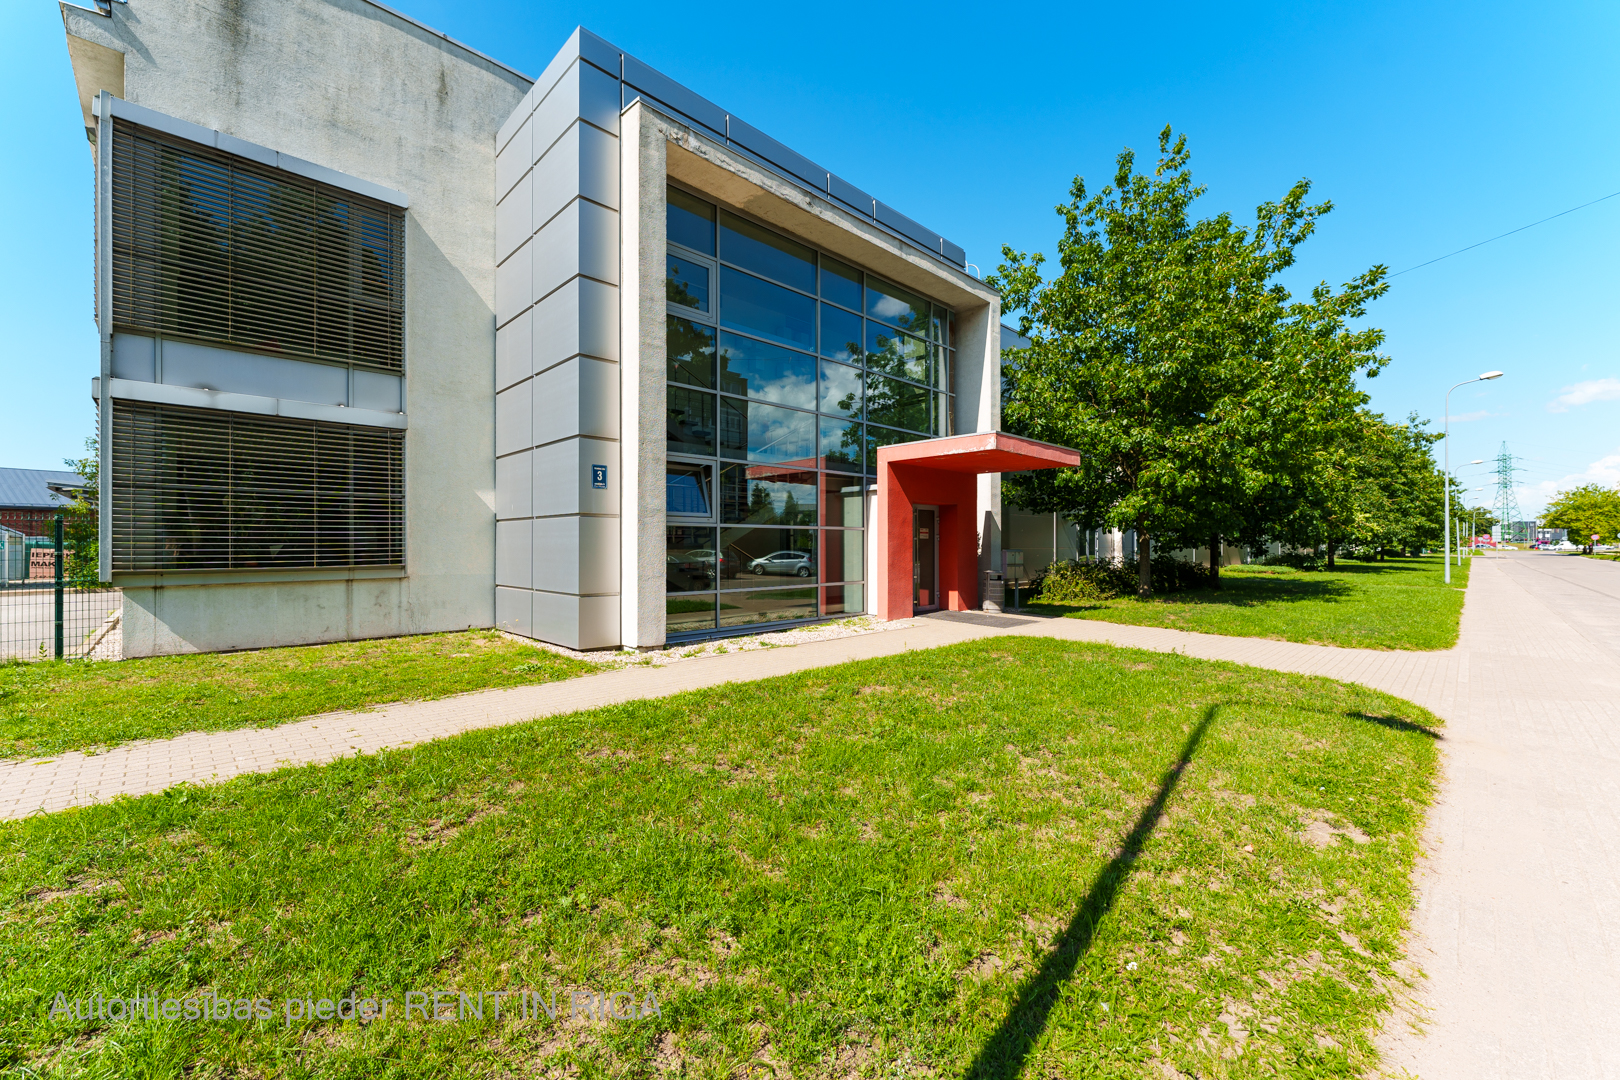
216 248
195 489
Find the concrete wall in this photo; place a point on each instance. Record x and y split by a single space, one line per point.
557 416
348 85
643 177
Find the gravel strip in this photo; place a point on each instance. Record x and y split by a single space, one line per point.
773 639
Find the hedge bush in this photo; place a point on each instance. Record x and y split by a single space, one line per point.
1091 580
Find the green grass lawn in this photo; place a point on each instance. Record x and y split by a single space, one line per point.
51 706
1395 604
1008 857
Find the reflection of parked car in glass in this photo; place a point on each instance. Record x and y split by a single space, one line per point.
705 559
786 563
686 573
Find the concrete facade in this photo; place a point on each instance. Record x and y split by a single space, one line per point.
533 395
351 87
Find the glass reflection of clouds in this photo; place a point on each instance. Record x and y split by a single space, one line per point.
754 369
787 369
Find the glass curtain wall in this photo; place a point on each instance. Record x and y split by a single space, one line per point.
788 369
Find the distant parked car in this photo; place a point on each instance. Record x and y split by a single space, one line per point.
783 564
714 563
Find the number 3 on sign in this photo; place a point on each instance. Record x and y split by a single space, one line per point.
599 476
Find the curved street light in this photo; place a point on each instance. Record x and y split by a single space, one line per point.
1486 377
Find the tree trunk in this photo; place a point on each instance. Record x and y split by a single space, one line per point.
1215 561
1144 566
1331 546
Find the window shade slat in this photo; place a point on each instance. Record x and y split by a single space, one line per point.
223 250
195 489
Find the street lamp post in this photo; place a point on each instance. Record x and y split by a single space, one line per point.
1473 529
1447 549
1476 461
1470 510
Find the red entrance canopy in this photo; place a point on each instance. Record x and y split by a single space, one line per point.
941 473
983 452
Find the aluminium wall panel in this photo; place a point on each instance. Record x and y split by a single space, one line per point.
514 284
582 240
514 553
514 485
580 317
514 351
556 431
577 397
577 622
514 419
513 159
584 94
576 555
514 218
514 611
563 478
584 162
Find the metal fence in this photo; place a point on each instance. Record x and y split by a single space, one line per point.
43 618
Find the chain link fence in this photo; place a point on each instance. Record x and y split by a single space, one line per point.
42 617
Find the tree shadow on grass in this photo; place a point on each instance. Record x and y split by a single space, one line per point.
1256 592
1003 1055
1234 592
1395 723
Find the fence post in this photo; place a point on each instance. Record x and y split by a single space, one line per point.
59 586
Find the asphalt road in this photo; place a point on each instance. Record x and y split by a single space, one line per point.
28 620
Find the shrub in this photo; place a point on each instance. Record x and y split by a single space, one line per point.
1072 582
1301 560
1172 575
1104 579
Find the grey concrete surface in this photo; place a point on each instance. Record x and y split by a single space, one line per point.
349 86
28 620
1519 915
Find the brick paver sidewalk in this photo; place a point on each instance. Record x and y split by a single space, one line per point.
76 779
1520 912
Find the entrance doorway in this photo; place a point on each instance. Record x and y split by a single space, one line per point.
924 561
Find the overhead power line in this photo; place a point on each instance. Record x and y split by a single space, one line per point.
1510 232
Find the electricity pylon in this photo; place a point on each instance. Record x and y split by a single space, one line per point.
1507 500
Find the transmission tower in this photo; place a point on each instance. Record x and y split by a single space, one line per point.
1507 501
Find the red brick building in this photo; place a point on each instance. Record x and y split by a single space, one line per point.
27 502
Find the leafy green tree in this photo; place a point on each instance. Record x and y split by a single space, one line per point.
1369 485
1588 509
1399 495
81 520
1198 391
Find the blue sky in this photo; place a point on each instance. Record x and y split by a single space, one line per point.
1430 127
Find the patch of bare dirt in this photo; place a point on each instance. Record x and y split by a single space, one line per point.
1323 830
440 831
985 966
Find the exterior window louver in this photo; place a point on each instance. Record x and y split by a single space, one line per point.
221 250
195 489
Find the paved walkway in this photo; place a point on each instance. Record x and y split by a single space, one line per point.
1518 926
1519 919
75 779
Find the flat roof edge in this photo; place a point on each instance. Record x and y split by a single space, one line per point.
442 36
